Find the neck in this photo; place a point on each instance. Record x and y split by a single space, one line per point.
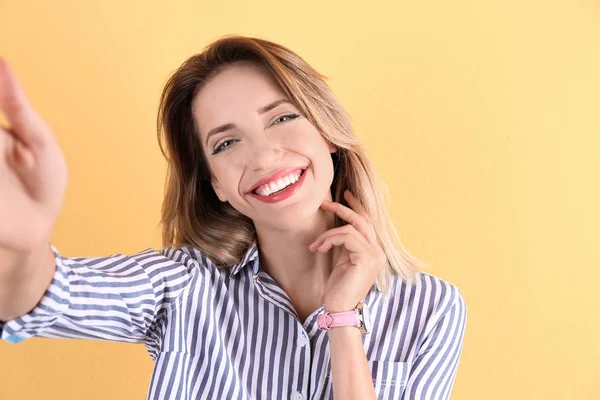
302 274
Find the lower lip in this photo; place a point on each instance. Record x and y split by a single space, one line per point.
284 194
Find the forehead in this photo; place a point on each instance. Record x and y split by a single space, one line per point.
234 93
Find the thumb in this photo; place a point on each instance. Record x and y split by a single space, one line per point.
18 156
23 156
25 124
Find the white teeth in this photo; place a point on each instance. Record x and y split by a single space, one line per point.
281 183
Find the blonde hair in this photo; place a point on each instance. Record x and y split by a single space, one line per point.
192 215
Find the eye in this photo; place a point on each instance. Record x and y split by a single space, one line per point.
222 146
285 118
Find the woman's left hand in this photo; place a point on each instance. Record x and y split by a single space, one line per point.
361 258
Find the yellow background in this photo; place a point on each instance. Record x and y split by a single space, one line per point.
483 117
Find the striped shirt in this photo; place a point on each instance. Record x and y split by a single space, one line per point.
234 333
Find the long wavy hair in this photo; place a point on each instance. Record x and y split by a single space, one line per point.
192 214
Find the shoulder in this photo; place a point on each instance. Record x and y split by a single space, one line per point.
430 296
441 293
194 259
183 253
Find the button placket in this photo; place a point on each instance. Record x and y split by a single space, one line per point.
297 396
303 338
303 388
268 289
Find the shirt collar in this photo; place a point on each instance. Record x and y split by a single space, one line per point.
251 257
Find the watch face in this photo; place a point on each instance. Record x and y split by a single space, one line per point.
366 319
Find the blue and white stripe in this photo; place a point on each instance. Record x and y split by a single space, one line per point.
234 334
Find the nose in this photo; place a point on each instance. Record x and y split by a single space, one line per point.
265 152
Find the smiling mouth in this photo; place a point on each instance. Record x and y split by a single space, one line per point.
282 189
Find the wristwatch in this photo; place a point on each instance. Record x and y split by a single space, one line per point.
358 317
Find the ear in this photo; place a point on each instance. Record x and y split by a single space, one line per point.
218 191
332 148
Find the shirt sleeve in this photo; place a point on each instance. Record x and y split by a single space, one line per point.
117 298
434 369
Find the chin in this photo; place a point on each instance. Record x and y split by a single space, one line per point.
295 218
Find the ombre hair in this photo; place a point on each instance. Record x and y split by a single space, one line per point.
192 214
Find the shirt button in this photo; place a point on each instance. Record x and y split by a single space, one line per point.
302 339
297 396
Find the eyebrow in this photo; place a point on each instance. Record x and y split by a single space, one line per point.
260 111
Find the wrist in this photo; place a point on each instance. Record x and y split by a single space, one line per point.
336 307
344 334
357 317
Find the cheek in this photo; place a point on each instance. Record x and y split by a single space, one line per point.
305 139
313 146
225 172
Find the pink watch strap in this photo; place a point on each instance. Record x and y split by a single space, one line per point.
328 320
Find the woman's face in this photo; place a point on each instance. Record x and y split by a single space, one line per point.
253 132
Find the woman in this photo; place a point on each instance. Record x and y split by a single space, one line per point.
277 247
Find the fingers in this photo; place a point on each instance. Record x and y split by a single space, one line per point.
25 123
356 206
357 216
359 250
23 156
352 242
341 230
15 154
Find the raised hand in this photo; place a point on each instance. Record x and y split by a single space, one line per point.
360 260
33 172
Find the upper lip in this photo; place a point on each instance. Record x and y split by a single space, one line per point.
274 177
